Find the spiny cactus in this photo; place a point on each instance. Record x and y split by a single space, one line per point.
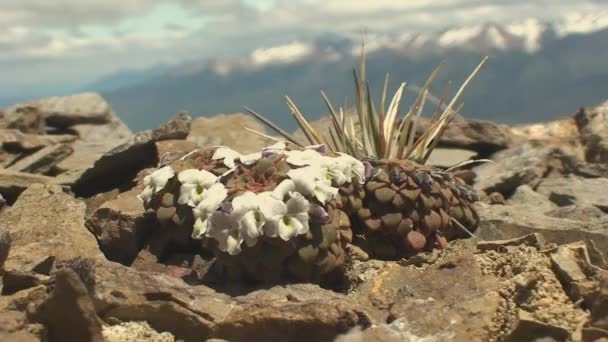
405 207
269 216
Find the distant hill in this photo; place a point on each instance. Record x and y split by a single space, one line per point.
538 70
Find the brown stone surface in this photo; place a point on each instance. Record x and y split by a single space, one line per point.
55 228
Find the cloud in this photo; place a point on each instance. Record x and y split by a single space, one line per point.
71 40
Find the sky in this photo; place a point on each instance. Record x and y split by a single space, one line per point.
54 43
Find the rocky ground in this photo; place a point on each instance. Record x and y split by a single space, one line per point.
81 261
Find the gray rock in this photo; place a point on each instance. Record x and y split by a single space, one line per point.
524 164
575 190
483 137
524 195
43 160
502 222
120 164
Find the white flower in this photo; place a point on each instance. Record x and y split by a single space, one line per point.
279 146
352 167
304 157
285 220
250 158
194 183
225 229
227 155
155 182
246 211
210 202
311 180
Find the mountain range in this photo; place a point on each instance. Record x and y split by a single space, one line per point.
537 71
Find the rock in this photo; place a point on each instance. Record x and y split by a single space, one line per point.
55 228
14 327
166 303
133 332
562 133
12 183
176 128
585 213
2 202
43 160
17 141
575 190
451 300
69 312
294 313
498 222
24 118
573 268
593 127
524 195
448 157
229 130
168 151
483 137
66 111
524 164
120 164
529 329
121 227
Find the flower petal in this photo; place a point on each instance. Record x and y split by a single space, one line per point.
200 228
271 208
227 155
213 197
146 195
251 228
281 190
297 204
185 192
251 158
244 203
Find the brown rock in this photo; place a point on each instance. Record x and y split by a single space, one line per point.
451 300
229 130
168 151
294 313
70 110
593 127
12 183
69 312
121 227
43 160
43 222
24 118
483 137
17 141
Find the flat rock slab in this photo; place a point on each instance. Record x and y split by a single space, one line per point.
43 160
121 227
576 190
44 222
65 111
196 313
450 300
17 141
503 222
12 183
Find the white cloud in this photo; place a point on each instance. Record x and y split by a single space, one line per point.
282 54
46 41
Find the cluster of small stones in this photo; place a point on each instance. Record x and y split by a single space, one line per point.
528 284
394 209
409 208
